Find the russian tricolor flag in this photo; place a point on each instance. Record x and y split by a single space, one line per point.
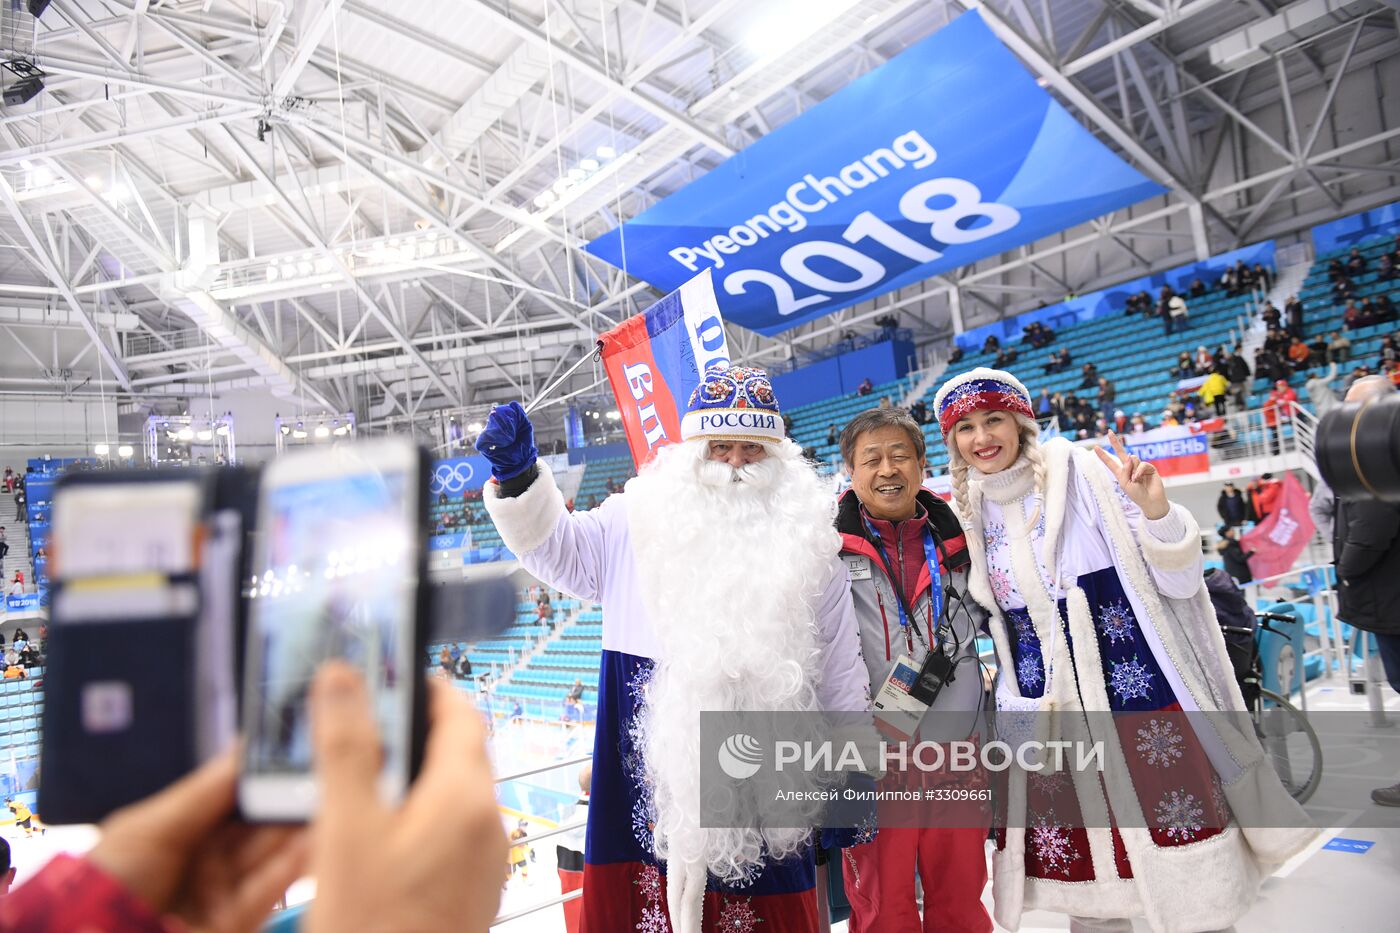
654 361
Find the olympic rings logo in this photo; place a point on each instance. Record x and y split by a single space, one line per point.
451 476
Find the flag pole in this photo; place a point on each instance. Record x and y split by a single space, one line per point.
547 390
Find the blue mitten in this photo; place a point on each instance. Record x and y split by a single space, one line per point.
508 441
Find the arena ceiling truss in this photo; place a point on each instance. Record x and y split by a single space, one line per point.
380 206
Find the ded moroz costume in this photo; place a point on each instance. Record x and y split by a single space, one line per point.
721 589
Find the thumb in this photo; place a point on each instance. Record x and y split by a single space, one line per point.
346 743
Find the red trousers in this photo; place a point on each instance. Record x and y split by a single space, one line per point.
952 865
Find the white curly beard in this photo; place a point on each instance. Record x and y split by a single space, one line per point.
732 564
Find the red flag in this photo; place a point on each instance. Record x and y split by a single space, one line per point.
654 361
1279 539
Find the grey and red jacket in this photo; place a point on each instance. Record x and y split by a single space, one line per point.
894 558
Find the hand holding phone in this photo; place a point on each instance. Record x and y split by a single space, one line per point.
434 863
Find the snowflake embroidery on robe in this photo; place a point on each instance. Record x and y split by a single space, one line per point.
1025 630
653 914
1160 742
996 535
1001 585
1028 672
1051 843
1051 783
1131 680
1116 622
737 916
1179 813
642 823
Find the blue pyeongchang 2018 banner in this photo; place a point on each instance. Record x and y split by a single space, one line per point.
947 153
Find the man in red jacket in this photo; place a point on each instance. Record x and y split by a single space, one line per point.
905 552
1263 496
1278 411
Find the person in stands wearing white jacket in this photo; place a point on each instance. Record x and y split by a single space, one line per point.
1093 582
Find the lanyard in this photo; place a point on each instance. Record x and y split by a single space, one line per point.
935 584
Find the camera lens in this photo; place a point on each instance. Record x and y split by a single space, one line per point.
1358 449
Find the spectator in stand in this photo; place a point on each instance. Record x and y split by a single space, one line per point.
1391 371
919 411
1184 368
1052 363
956 355
1169 419
1338 348
866 387
1006 356
1359 373
1388 268
1268 365
1203 360
1228 283
1271 316
20 500
1356 263
1107 393
1299 355
1335 270
4 549
1213 391
1238 372
1351 317
1389 350
1091 376
1343 288
1244 275
1179 314
1319 389
831 435
1318 346
1198 289
1293 310
1234 556
1263 277
1138 424
17 584
991 343
1263 495
1120 422
462 667
1385 309
1232 507
576 691
445 660
1278 411
10 480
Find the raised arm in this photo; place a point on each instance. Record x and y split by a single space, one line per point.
567 551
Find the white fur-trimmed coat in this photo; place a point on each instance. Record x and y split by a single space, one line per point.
1205 885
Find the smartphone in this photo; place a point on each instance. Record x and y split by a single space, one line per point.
338 572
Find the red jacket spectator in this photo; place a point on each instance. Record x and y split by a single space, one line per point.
1280 403
1263 496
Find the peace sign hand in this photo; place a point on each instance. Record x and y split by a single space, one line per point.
1138 479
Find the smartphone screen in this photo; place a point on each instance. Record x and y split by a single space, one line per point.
335 577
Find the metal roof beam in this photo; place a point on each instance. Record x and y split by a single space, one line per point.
530 32
308 37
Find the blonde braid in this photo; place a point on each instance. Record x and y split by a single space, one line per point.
957 469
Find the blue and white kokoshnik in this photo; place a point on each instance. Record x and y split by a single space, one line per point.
734 403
